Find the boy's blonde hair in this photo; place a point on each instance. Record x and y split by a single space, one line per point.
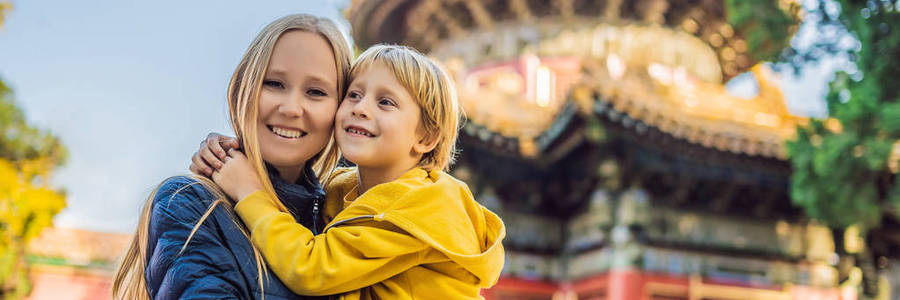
432 89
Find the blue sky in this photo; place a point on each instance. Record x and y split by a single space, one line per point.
132 87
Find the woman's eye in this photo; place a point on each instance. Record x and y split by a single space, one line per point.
273 83
316 93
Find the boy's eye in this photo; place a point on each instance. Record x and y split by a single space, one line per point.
316 93
353 95
273 83
387 102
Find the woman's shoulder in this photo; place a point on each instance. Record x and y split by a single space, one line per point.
183 197
179 204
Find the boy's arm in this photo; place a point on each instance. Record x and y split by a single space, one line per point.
345 258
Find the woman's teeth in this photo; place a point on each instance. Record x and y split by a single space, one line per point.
286 133
360 132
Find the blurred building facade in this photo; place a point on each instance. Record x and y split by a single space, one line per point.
74 264
602 134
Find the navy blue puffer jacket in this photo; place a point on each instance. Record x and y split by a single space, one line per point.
218 263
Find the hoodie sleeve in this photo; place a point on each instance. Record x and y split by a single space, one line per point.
343 259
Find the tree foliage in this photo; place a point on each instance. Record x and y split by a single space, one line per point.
27 202
842 174
767 26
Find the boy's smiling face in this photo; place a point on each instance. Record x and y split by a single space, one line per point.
378 122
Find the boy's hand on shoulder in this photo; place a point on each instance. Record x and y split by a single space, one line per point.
211 154
236 176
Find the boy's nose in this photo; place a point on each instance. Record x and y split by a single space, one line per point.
360 109
360 114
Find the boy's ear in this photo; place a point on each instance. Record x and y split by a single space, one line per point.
426 144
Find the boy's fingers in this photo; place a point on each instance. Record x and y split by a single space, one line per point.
211 158
218 150
230 142
212 144
200 164
194 169
212 137
234 153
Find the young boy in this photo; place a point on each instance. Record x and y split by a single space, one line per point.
400 228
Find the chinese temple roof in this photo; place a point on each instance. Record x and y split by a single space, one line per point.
702 113
526 69
426 25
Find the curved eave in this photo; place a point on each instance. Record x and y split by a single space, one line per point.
696 112
421 24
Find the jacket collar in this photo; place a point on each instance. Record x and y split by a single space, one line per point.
297 196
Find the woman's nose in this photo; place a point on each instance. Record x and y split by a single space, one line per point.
291 107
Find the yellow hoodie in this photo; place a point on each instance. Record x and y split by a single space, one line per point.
421 236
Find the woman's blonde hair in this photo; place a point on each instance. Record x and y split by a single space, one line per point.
243 105
432 89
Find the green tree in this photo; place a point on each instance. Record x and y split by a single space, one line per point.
842 175
844 172
27 202
766 25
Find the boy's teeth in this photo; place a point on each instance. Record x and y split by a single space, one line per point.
352 130
286 132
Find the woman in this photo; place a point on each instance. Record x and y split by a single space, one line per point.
282 100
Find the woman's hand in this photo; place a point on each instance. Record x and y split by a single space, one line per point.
236 176
212 153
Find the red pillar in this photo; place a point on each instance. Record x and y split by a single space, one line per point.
625 285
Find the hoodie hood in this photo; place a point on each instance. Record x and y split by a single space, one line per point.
438 210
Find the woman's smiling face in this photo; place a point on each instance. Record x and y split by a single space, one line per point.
298 100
